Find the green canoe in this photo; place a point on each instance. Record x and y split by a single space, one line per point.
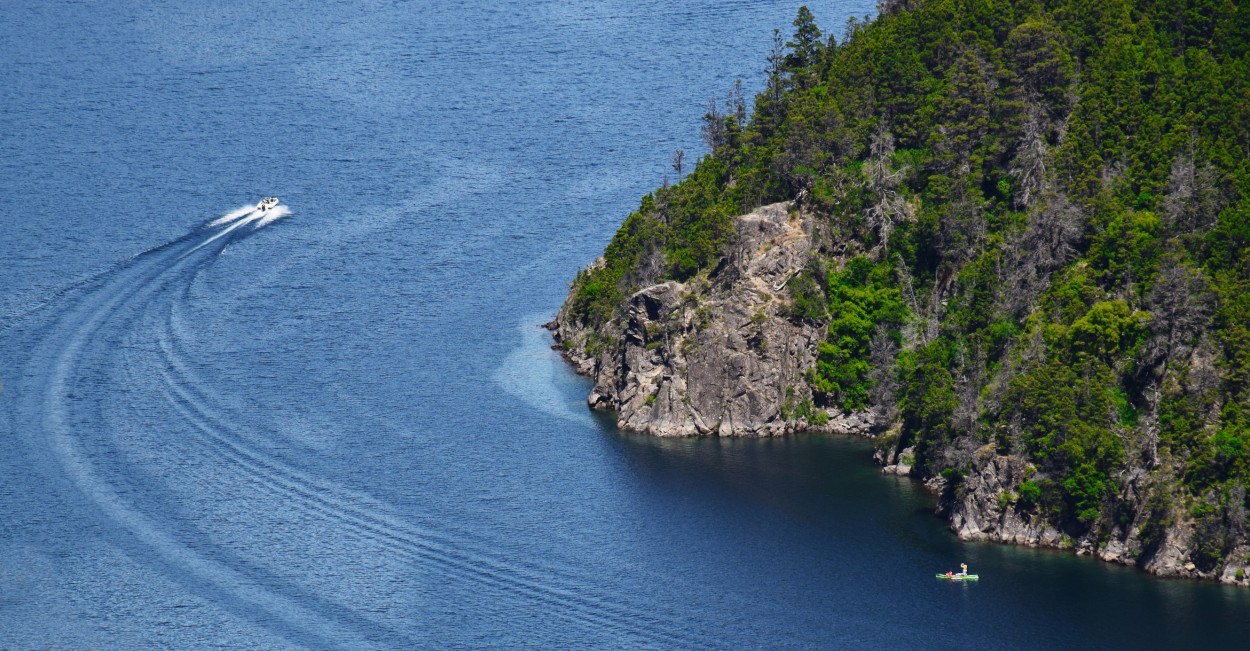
959 577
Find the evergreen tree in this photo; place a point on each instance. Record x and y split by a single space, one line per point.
805 49
1034 233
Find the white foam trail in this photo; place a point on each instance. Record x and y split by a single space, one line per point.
223 232
242 217
272 215
231 216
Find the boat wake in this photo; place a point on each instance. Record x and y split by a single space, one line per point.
117 339
254 215
66 364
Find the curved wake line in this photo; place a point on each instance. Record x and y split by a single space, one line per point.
242 217
76 328
530 370
128 293
243 214
359 514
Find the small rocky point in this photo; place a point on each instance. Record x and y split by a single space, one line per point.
720 355
716 355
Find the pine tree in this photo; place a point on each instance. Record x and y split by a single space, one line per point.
805 49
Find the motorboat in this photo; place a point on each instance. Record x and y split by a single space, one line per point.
267 203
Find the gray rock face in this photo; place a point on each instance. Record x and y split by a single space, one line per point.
718 355
899 464
987 507
715 355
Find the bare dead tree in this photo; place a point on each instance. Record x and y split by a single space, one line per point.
1150 423
1237 516
1193 199
1046 244
736 104
962 232
652 265
883 356
1029 164
887 7
1058 228
1180 193
713 130
1180 304
890 207
968 384
776 83
679 159
915 330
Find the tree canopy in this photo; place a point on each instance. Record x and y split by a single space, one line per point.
1044 205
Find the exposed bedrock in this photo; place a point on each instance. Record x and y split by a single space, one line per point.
715 355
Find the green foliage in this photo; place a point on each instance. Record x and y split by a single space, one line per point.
687 224
803 408
1158 519
1126 251
1024 176
806 48
1085 487
1106 333
861 298
699 219
1071 296
1070 408
928 400
1210 538
1044 65
1029 494
598 291
808 289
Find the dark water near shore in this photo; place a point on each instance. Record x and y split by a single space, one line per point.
343 429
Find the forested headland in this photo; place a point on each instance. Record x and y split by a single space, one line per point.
1028 261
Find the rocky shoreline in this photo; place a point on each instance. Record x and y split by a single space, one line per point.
716 355
721 355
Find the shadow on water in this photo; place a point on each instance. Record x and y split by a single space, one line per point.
856 540
321 439
805 533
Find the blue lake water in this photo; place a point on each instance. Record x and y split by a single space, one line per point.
344 429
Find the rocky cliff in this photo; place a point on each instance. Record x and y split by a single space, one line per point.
723 354
718 354
989 505
1022 259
